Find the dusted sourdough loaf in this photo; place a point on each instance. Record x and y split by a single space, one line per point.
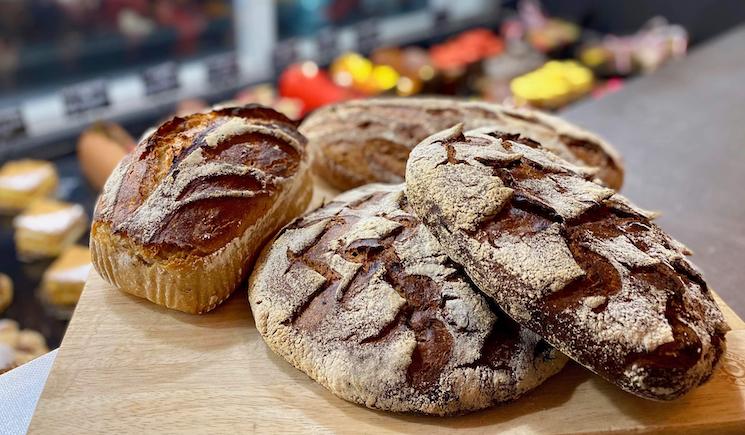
183 216
570 259
360 296
366 141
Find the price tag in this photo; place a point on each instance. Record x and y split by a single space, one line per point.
84 97
442 18
285 53
11 124
368 36
327 43
223 70
160 78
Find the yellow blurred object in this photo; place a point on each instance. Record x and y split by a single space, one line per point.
6 291
594 56
356 71
553 85
384 78
351 66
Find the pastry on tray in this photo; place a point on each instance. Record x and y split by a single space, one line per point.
65 278
365 141
18 346
6 292
23 181
360 296
182 218
569 259
47 227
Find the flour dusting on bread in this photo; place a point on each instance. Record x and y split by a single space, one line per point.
571 260
394 323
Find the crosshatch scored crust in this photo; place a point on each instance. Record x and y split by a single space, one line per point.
364 141
360 296
569 259
182 218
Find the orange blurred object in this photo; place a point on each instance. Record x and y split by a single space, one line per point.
100 148
466 48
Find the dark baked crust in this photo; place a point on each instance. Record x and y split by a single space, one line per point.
183 217
197 210
359 142
571 260
359 295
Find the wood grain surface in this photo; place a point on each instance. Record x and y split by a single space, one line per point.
129 366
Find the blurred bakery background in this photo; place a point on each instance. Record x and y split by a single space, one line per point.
82 80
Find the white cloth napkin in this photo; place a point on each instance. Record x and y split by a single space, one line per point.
20 389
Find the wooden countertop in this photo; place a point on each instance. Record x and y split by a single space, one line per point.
129 366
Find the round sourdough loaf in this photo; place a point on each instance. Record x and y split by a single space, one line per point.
360 296
182 217
569 259
364 141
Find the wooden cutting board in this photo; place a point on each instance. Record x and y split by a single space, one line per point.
128 366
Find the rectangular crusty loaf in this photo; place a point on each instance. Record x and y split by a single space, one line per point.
182 218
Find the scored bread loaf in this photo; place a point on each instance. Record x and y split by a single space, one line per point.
360 296
364 141
182 218
570 259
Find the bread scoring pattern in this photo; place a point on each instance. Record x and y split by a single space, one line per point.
361 297
183 217
570 259
174 190
364 141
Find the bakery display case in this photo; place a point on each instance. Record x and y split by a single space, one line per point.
409 213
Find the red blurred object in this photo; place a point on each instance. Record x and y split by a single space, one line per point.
612 85
312 86
468 47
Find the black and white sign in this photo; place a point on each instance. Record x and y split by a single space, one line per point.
327 44
160 78
223 70
85 97
368 36
285 53
11 124
442 19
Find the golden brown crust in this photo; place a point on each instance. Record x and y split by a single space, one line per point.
359 142
23 181
570 259
6 292
181 219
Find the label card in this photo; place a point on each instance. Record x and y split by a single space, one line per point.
223 70
11 124
368 36
160 78
285 53
84 97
